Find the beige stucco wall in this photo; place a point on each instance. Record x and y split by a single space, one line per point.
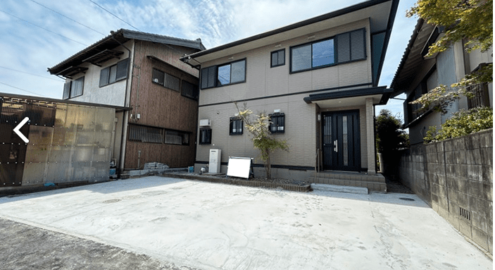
299 131
262 80
112 94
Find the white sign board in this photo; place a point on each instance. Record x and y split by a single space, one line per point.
239 167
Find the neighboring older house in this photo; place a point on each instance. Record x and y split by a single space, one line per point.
318 80
141 71
418 74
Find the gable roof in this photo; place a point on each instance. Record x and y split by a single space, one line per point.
121 36
381 13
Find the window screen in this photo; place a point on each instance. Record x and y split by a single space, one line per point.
77 87
344 52
172 82
122 67
190 90
238 71
211 76
113 74
173 137
204 78
358 45
157 76
104 74
66 94
301 58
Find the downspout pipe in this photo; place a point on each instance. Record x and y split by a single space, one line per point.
124 116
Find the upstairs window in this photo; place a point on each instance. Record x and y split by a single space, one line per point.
277 123
208 76
114 73
166 80
73 88
214 76
234 72
278 58
190 90
346 47
236 124
205 136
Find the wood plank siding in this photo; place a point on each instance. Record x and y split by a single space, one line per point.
161 107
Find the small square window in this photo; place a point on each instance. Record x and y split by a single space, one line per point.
236 124
277 123
278 58
205 136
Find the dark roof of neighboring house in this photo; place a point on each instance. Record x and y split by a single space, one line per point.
122 36
314 20
412 57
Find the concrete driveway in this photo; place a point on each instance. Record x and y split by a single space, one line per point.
215 226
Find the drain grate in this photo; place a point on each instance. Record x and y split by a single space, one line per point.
112 201
464 213
407 199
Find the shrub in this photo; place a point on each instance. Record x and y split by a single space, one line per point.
462 123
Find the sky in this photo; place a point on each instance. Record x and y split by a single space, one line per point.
37 34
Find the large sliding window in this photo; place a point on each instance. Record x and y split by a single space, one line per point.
166 80
342 48
231 73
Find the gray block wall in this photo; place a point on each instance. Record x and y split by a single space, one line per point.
456 177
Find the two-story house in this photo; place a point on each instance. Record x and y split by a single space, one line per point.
141 71
418 74
318 79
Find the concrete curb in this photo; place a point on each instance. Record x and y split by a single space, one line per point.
345 189
249 183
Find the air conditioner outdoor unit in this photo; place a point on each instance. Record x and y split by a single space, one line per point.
204 123
215 160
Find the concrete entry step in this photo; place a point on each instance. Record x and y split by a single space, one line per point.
350 176
335 188
370 185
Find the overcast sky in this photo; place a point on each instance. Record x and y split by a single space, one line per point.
35 35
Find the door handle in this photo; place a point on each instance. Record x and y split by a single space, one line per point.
336 144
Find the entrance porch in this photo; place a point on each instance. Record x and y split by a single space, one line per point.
374 182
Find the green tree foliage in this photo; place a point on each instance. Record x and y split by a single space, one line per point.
462 123
389 135
261 136
470 20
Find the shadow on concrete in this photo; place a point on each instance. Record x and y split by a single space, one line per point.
103 188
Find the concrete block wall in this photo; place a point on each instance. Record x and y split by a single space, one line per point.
456 177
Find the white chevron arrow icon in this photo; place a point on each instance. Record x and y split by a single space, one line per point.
16 130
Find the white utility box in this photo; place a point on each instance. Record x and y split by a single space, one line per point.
215 161
204 123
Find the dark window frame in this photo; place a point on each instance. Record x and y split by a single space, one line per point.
116 73
163 134
215 68
233 120
164 81
277 115
208 137
276 52
195 89
71 88
335 48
